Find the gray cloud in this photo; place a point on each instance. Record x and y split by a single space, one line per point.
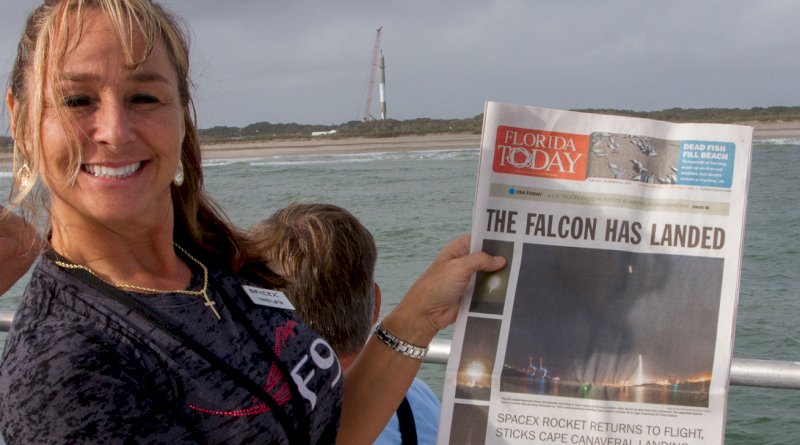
308 61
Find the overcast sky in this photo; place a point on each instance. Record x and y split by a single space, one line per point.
309 61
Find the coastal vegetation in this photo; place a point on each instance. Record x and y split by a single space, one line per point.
422 126
711 115
369 129
264 131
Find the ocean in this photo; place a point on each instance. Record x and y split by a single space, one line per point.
415 202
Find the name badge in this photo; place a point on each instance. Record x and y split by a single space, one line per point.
267 297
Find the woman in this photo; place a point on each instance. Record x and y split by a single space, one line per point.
146 320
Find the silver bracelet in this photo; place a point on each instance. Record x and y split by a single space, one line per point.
407 349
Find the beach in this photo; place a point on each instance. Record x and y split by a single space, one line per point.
447 141
330 146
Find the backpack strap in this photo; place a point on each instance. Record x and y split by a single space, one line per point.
408 429
295 434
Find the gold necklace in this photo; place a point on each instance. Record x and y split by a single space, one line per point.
197 293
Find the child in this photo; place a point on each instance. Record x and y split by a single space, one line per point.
327 259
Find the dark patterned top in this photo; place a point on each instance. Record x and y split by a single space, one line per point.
79 367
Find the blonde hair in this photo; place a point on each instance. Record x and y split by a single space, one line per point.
46 40
327 259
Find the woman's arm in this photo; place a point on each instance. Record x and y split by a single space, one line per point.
379 378
19 246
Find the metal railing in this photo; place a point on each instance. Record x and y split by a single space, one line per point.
5 320
744 371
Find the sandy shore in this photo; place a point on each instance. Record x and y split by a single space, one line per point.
775 130
323 145
771 130
233 150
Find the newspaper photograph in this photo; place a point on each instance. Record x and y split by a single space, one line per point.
613 320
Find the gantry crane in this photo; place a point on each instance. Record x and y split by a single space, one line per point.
377 57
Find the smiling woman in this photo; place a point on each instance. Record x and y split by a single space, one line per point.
128 328
142 322
128 119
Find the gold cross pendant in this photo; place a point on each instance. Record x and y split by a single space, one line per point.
210 304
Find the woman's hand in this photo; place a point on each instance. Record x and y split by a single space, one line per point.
379 378
432 302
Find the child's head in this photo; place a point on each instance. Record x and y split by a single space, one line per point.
327 259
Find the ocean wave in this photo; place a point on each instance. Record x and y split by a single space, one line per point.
224 162
778 141
350 158
6 174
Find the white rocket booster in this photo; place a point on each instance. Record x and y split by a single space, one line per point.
382 88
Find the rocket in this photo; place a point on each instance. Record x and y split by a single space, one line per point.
382 87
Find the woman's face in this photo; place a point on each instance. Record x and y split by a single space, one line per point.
129 126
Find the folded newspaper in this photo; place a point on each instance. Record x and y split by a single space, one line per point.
613 321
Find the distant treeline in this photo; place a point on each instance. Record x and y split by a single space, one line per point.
374 129
711 115
391 127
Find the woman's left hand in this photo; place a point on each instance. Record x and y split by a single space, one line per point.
432 302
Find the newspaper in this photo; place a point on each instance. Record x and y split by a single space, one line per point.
613 321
